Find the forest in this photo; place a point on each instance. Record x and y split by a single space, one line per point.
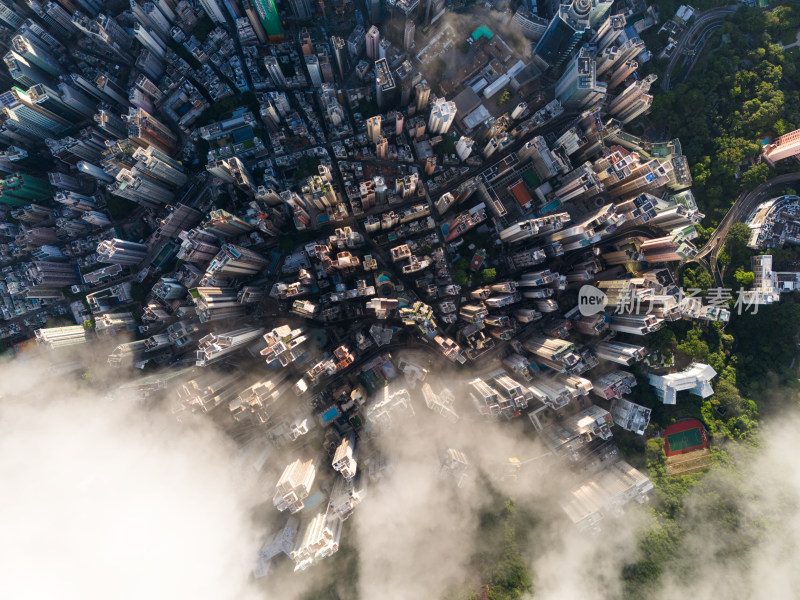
745 92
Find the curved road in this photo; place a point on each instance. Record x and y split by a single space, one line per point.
741 209
697 47
703 19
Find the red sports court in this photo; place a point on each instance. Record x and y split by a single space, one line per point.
684 437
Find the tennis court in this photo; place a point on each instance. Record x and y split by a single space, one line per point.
684 439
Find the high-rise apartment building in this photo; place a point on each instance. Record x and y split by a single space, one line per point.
147 130
422 94
157 164
294 485
233 171
274 71
340 54
215 346
443 113
374 128
344 459
373 40
215 303
633 101
140 188
235 261
58 337
408 35
224 224
382 148
319 540
283 344
121 251
197 246
608 32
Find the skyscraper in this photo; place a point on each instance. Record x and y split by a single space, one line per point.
140 188
384 83
35 52
274 71
23 71
213 10
382 148
406 77
270 19
339 47
36 120
198 246
294 486
147 130
464 147
609 31
233 171
301 9
10 18
634 100
51 100
563 33
255 22
374 128
578 86
215 346
121 252
150 39
422 95
222 223
408 35
598 12
443 113
57 337
312 64
155 163
373 40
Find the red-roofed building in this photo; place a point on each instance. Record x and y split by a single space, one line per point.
521 194
477 260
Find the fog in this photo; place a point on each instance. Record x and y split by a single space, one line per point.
106 499
757 557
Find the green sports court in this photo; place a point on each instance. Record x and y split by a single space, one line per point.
684 436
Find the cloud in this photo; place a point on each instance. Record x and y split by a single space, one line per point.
104 500
744 525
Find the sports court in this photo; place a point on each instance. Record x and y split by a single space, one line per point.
684 436
684 439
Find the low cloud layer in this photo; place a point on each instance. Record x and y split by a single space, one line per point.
757 556
105 499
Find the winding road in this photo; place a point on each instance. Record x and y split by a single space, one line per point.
702 24
744 205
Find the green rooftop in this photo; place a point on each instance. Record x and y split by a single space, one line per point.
484 31
530 179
